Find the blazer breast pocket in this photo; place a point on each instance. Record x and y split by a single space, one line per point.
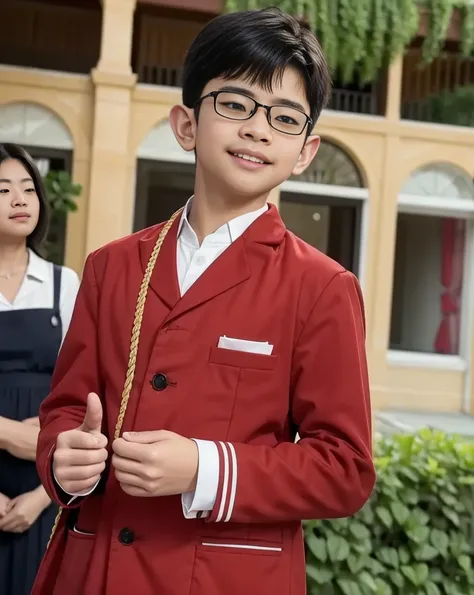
242 359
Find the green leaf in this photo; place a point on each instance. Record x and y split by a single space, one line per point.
349 587
432 589
419 517
383 588
317 547
320 576
366 580
422 573
399 512
465 562
397 578
410 496
425 552
384 515
410 574
416 574
419 534
388 556
338 548
375 567
451 515
359 530
404 554
362 547
356 563
366 515
440 540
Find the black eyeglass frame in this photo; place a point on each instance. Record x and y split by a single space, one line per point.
267 108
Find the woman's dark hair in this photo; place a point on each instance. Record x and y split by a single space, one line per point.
37 236
258 45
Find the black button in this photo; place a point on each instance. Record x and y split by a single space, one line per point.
159 382
126 537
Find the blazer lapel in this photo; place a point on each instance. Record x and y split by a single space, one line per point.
230 269
164 278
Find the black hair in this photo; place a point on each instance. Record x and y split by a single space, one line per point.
257 45
37 236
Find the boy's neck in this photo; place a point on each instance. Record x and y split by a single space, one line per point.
210 211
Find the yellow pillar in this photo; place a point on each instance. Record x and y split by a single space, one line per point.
111 183
394 89
117 36
381 303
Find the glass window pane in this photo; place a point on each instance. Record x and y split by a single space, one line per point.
428 283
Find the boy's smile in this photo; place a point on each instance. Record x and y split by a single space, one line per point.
249 159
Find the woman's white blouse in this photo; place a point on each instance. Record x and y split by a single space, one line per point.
36 290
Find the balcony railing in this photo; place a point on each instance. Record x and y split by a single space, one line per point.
38 34
441 92
356 102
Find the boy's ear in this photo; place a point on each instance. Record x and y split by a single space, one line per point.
183 124
307 154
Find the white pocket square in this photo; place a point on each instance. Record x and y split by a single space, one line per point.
247 346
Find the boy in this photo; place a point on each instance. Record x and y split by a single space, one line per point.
248 337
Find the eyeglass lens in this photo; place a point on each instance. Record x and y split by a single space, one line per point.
239 107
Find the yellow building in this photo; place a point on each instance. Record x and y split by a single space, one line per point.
87 86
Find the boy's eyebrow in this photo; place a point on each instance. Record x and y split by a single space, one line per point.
276 101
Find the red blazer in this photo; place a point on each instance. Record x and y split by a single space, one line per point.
267 286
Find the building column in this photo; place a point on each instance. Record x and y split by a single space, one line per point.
381 298
394 89
111 193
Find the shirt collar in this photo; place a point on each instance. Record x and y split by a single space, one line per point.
225 235
37 267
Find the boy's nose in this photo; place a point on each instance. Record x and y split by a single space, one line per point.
257 127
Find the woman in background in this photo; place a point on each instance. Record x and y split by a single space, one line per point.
36 303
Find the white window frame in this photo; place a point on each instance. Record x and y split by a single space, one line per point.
349 192
439 206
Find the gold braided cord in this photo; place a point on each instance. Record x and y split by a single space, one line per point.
137 324
134 341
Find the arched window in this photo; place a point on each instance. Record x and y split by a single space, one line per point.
33 125
430 295
333 166
441 180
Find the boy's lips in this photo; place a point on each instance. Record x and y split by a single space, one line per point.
250 157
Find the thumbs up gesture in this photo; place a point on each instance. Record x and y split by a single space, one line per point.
80 454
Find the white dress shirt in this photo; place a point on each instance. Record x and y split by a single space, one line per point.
37 290
192 260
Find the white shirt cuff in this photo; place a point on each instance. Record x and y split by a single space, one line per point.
82 495
202 500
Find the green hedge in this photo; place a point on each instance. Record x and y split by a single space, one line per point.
414 536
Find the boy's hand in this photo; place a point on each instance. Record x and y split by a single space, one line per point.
32 421
158 463
80 454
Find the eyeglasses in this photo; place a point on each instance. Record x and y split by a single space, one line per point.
237 106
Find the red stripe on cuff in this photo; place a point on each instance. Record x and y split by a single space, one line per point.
227 500
223 482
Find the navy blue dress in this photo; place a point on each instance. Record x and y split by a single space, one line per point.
29 344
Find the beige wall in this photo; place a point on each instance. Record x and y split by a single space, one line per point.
109 115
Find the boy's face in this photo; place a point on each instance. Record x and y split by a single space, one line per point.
218 140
